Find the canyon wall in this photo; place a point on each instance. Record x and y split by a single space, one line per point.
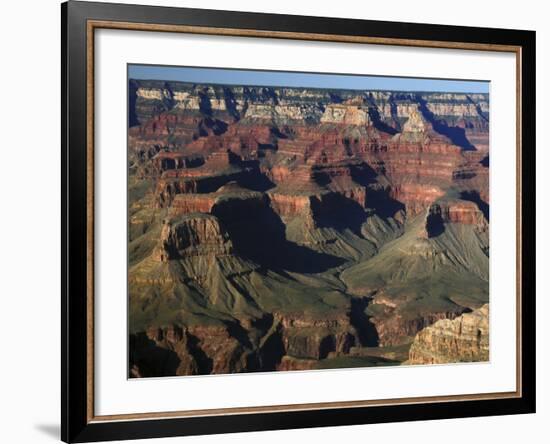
463 339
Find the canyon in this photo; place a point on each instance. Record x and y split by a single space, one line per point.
278 229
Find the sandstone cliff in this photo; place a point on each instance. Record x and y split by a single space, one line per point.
464 339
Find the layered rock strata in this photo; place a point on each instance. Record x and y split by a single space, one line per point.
463 339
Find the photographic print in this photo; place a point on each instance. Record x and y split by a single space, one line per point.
285 221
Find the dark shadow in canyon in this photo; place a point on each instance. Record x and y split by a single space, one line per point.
208 124
363 174
168 99
263 147
194 162
261 94
271 353
149 358
434 224
204 363
275 131
382 203
375 118
455 134
236 331
339 212
394 114
259 234
326 346
254 179
480 112
473 196
321 178
335 98
366 331
249 178
231 103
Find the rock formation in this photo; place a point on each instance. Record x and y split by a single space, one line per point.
192 235
463 339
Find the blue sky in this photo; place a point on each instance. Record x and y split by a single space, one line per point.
297 79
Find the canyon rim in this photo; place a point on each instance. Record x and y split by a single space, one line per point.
286 227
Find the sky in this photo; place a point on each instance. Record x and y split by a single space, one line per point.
304 80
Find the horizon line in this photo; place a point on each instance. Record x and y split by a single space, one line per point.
306 80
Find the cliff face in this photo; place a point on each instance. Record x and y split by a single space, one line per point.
464 339
292 228
180 351
154 97
193 235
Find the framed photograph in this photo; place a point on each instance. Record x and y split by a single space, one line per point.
276 221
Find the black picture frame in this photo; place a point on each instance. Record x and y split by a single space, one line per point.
76 424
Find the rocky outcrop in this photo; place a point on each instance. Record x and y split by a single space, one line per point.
416 197
345 114
190 350
305 337
454 211
279 114
289 205
397 329
463 339
193 235
415 125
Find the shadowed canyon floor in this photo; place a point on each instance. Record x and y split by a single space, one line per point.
291 228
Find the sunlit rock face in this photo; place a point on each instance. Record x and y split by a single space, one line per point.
278 229
463 339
